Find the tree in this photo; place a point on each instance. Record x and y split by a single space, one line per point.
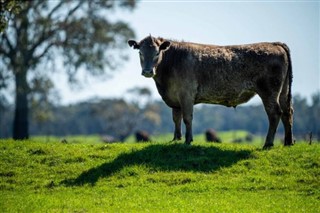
7 8
315 115
120 118
301 115
139 96
77 32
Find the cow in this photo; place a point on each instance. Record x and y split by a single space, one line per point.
142 136
212 136
188 73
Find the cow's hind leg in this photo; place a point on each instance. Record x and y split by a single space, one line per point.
177 117
274 112
286 117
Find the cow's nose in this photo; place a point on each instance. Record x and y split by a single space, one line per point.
147 73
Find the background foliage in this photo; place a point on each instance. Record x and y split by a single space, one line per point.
121 118
81 35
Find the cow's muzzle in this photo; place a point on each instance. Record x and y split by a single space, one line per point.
147 73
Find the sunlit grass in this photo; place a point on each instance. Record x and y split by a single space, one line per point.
226 137
85 175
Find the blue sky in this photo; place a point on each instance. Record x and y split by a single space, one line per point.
295 23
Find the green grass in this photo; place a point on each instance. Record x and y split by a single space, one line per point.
225 136
85 176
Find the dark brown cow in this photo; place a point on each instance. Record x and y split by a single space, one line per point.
188 73
142 136
212 136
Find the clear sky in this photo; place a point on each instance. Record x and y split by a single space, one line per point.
295 23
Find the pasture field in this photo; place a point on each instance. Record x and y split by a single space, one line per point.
88 176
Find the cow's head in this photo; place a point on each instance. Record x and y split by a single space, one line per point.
151 50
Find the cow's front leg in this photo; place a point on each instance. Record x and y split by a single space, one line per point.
177 116
187 114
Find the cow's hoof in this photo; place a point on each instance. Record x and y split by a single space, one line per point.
289 142
176 139
267 146
187 143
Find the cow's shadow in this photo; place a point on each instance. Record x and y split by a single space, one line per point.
165 157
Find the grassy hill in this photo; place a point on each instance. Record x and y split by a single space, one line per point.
37 176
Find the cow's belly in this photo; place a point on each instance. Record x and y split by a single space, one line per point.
229 99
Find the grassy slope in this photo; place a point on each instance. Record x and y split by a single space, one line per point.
158 177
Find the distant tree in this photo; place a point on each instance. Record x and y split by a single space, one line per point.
315 115
120 119
140 95
300 115
140 91
42 91
79 33
5 118
250 118
116 117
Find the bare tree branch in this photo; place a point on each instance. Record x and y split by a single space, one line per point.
34 4
8 42
45 35
3 52
55 9
45 51
71 12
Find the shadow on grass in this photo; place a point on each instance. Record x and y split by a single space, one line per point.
164 157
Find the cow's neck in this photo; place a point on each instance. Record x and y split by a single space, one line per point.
163 74
160 81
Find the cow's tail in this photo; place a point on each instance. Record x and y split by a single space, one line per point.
289 72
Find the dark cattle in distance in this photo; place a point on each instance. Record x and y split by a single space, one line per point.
249 137
142 136
188 73
211 136
109 139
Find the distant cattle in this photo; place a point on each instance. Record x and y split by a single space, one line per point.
247 138
238 140
211 136
63 140
109 139
142 136
189 73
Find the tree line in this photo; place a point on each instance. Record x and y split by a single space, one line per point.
120 118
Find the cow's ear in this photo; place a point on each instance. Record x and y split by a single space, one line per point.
134 44
165 45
